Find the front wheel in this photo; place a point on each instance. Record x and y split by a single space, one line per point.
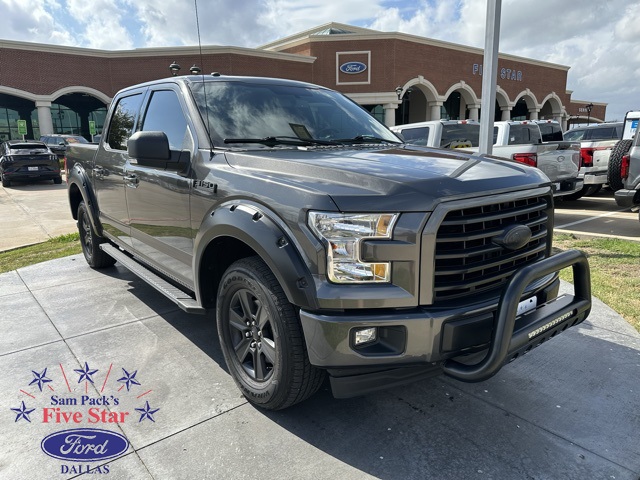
261 338
90 242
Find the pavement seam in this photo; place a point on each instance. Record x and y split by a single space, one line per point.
535 425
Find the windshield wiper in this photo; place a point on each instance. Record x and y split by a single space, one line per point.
281 140
366 139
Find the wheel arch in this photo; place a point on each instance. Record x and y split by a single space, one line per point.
80 190
235 231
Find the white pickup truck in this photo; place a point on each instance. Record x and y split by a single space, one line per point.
596 144
515 140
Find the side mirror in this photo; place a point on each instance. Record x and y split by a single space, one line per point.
149 148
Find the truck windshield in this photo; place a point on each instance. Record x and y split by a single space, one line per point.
264 113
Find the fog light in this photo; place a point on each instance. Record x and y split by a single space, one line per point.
365 335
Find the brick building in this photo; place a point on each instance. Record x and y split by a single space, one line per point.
399 78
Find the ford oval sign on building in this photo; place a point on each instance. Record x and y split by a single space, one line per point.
84 445
353 67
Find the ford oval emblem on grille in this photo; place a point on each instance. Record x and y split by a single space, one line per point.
513 237
560 158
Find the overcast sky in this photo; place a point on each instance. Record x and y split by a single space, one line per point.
598 39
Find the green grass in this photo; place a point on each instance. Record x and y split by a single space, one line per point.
615 272
57 247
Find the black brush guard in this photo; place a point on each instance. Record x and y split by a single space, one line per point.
534 327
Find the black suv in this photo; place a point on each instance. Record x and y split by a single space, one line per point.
28 160
58 143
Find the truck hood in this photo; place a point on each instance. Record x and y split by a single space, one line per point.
402 178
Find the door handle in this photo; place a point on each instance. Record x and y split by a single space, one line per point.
132 180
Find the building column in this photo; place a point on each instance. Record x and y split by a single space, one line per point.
434 109
533 114
474 112
560 120
44 117
506 114
390 114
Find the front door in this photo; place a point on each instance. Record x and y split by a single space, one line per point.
158 197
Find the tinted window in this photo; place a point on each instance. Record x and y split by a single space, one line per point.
460 135
551 132
164 114
524 134
416 136
239 110
121 125
575 134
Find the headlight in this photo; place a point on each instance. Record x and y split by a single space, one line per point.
343 235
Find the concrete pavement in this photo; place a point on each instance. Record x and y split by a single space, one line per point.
33 213
569 409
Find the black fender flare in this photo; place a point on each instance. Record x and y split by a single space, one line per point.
263 232
79 179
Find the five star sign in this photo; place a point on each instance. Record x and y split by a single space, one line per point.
147 412
23 412
40 378
85 373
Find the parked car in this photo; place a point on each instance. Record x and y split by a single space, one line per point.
58 143
323 244
596 144
28 160
629 194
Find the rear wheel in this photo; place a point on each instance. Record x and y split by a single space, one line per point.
57 180
5 181
90 242
615 162
261 338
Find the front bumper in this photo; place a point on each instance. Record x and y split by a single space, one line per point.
434 340
627 198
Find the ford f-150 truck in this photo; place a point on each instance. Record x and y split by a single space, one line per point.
520 141
317 240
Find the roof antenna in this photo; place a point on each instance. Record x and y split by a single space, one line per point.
204 86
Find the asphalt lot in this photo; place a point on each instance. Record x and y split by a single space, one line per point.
569 409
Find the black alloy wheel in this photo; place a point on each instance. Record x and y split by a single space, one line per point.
261 338
90 242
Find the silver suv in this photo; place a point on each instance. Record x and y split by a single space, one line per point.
629 194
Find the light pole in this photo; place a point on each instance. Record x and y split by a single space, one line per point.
588 107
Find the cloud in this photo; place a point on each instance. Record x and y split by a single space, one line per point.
32 21
102 23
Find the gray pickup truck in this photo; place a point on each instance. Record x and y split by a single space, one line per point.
318 242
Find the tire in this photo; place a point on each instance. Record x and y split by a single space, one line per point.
90 242
261 338
615 162
57 180
5 181
592 190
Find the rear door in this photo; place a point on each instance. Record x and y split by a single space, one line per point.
158 195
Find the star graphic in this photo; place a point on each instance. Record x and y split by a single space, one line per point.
147 412
85 373
40 378
129 379
23 412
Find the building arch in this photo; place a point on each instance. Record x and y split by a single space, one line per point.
420 101
526 106
461 102
80 89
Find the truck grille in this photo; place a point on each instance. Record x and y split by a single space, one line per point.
466 260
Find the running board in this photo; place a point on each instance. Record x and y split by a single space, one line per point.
180 298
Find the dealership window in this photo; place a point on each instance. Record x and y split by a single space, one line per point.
377 111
